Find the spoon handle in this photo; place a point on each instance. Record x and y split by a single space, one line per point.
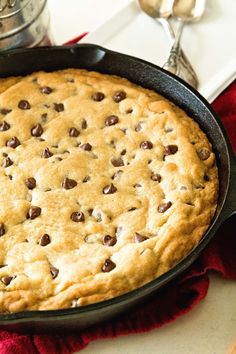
173 59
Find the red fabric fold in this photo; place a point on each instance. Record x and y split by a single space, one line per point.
167 304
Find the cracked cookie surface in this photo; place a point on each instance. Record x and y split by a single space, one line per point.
104 187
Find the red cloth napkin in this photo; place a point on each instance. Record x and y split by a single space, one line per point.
170 302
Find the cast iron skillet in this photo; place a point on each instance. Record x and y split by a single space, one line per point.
25 61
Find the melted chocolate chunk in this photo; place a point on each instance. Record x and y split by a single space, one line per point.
111 120
30 182
54 271
156 177
108 265
77 216
123 152
163 207
45 240
86 147
46 153
73 132
46 90
117 174
86 179
7 162
6 280
109 240
34 212
117 162
59 107
119 96
203 154
146 145
139 238
206 178
90 211
138 127
37 130
84 124
4 126
5 111
13 142
98 96
69 183
109 189
23 104
170 150
2 229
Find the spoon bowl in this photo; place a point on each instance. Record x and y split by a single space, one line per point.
188 11
161 10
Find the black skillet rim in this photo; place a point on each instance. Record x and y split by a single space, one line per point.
150 287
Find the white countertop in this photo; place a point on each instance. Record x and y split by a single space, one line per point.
210 328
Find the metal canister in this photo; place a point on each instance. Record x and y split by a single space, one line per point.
23 23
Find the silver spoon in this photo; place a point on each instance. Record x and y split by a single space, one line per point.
161 10
185 12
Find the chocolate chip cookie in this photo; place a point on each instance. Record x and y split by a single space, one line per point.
105 186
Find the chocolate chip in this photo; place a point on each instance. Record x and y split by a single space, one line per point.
117 174
46 153
156 177
10 177
4 154
44 117
119 96
6 280
54 271
84 124
117 162
90 211
132 209
129 110
109 189
30 182
45 240
69 183
146 145
98 96
109 240
2 229
123 152
163 207
5 111
34 212
206 178
203 154
77 216
7 162
168 130
13 142
59 107
111 120
23 104
37 130
138 127
46 90
73 132
170 150
139 238
86 147
137 185
108 265
4 126
86 179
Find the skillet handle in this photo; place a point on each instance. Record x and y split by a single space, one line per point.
230 207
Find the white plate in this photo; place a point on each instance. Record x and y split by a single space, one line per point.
209 44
